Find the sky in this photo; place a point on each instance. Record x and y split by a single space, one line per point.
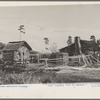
55 22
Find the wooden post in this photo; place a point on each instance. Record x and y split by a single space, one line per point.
83 56
65 59
38 58
79 60
90 60
46 62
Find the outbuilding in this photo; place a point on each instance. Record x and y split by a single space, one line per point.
18 51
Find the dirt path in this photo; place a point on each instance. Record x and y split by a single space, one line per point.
68 69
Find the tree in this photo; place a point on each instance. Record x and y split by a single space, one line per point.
98 43
69 41
53 47
2 45
21 29
46 40
92 38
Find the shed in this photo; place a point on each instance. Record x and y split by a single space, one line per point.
18 51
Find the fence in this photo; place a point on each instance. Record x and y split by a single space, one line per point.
53 62
75 60
65 61
59 59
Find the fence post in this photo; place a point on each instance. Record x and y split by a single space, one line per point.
65 59
46 62
38 58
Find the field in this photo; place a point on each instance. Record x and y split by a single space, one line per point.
34 73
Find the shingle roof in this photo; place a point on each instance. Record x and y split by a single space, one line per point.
16 45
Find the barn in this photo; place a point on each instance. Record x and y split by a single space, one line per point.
18 51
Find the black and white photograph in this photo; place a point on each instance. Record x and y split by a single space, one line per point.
49 44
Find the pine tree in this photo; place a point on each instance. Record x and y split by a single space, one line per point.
46 40
69 41
92 38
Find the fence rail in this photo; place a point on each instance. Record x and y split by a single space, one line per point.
68 60
53 62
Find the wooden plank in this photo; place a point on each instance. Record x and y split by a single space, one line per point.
75 56
90 60
95 59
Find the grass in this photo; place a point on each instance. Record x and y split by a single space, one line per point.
21 75
79 76
26 77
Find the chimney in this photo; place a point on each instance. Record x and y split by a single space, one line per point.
77 46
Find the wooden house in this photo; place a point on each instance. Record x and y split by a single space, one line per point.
81 46
83 52
18 51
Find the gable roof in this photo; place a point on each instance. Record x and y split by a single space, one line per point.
85 46
69 49
16 45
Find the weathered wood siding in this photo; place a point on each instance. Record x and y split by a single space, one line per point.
8 55
22 54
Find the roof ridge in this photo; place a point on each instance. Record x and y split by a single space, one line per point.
16 45
17 41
